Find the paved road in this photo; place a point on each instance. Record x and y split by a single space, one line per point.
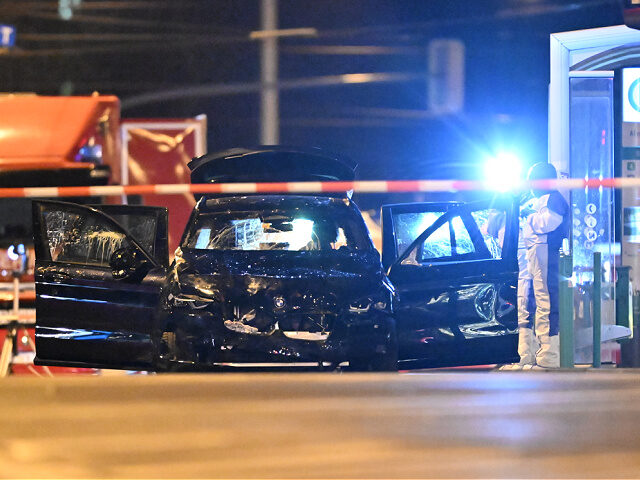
530 425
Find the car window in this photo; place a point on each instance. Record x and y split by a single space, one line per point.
491 223
473 235
142 227
85 238
409 226
276 230
438 244
447 242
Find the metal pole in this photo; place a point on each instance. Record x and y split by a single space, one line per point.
269 101
597 309
623 297
566 313
6 354
16 295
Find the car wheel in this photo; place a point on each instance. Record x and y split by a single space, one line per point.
385 363
379 362
165 352
169 343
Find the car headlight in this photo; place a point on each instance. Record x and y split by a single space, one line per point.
363 305
192 301
360 306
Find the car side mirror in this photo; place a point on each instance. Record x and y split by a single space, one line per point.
127 264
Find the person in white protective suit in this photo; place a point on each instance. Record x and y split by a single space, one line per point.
527 342
542 233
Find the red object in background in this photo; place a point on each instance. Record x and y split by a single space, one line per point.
7 267
157 151
631 13
28 368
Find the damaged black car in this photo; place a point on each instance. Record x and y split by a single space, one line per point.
277 280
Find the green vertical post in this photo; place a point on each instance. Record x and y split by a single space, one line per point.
566 313
623 306
597 307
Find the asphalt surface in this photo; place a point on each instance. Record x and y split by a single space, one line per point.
484 424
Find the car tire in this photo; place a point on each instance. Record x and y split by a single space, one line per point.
386 363
169 342
379 362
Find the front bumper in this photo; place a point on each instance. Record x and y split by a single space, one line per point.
203 340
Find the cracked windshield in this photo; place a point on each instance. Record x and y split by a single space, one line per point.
252 231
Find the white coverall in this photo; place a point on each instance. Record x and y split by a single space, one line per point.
542 235
527 342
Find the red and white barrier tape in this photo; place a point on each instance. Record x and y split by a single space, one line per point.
365 186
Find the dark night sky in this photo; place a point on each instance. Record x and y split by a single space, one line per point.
161 45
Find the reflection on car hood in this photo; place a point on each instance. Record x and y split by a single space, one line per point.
226 274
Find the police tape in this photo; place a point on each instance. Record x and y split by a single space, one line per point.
362 186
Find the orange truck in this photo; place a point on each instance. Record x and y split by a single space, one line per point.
46 141
79 141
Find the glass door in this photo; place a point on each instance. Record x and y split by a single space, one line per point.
593 210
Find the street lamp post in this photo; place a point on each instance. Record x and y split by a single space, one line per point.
269 95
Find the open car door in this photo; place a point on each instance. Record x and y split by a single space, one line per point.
99 272
455 269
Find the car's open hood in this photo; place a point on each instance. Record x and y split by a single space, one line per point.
271 164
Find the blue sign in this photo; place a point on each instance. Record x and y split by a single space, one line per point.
7 36
631 96
634 95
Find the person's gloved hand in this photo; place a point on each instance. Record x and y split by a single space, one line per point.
525 212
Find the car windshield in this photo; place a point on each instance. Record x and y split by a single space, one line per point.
285 229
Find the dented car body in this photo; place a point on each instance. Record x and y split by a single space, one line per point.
263 280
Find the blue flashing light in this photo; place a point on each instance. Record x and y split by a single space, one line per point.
14 252
503 172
